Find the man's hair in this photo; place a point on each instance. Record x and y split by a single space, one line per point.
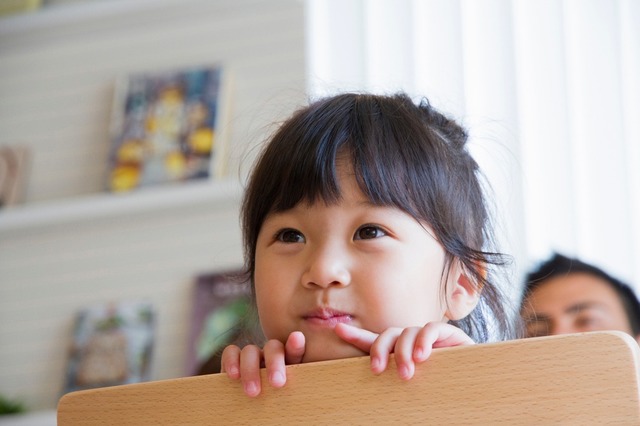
559 265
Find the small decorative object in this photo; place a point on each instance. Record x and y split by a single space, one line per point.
112 345
222 314
168 127
14 168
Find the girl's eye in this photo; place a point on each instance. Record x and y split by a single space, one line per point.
290 236
369 232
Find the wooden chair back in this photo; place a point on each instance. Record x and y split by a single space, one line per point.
577 379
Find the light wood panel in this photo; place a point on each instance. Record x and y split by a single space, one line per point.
580 379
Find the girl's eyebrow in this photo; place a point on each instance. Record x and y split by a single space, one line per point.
369 203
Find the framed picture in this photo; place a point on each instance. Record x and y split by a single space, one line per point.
222 314
111 345
168 127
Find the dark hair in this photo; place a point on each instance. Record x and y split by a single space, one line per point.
404 155
558 265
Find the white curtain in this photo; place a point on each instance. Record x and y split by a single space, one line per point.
549 89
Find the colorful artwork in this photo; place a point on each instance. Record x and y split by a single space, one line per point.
112 345
165 128
222 315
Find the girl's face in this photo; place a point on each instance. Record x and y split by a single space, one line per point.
369 266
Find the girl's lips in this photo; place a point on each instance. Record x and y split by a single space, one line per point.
327 318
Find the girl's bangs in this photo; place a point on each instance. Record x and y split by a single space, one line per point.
380 154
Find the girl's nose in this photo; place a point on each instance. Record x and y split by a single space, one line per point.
327 267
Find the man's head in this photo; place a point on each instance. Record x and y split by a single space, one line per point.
564 295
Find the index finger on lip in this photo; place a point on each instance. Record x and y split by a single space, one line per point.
358 337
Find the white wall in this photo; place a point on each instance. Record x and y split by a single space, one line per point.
57 72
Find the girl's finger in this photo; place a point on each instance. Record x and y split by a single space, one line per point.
364 340
404 350
274 362
294 348
250 358
230 361
456 337
382 347
358 337
438 335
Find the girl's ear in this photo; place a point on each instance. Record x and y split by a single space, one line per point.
462 295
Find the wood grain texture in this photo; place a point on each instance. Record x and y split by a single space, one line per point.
588 378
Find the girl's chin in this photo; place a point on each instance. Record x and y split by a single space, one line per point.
324 351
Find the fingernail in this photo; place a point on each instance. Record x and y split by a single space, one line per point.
277 378
405 372
251 389
233 372
375 364
418 354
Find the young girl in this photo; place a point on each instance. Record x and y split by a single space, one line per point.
366 232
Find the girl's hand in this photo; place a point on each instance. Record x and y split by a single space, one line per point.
409 345
245 363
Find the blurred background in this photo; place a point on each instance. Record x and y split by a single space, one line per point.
549 90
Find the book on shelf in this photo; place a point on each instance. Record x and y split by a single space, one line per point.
111 345
222 314
169 126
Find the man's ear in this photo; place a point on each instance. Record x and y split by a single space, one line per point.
463 294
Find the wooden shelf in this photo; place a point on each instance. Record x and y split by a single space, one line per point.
59 15
219 193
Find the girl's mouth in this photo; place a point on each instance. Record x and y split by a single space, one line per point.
326 317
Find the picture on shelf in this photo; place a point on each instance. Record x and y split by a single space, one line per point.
222 314
168 127
111 345
14 169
